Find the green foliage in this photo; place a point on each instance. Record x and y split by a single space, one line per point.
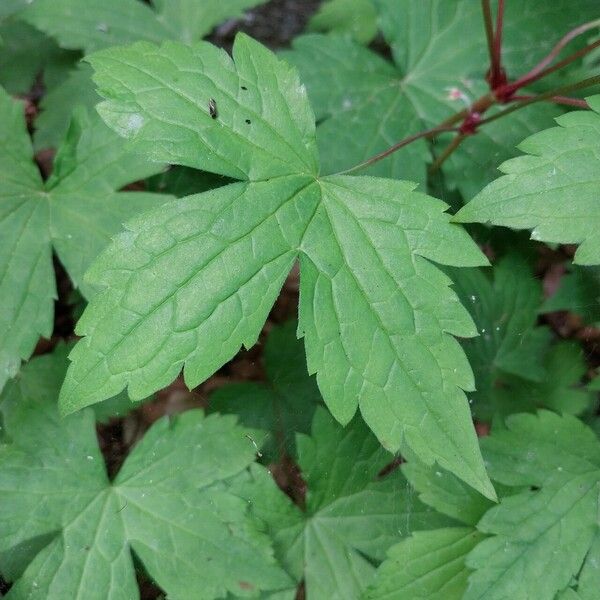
516 368
554 522
356 19
89 25
365 103
285 404
94 24
351 515
206 184
361 239
68 532
560 170
579 292
75 213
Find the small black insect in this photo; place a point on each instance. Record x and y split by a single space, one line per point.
244 87
212 108
248 121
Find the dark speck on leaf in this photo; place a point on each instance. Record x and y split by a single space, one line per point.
212 108
244 87
248 121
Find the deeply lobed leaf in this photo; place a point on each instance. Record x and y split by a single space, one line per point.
186 286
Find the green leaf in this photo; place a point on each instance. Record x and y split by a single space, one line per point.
169 502
188 284
579 292
588 582
446 493
356 19
430 565
94 24
285 404
552 190
25 53
560 391
554 523
56 107
75 213
190 20
515 367
476 162
351 517
278 140
10 7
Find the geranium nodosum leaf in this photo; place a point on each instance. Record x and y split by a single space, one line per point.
189 284
554 190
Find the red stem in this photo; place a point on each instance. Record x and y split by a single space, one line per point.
540 69
580 103
497 70
428 133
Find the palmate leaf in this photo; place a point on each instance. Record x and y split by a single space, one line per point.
548 529
67 532
351 516
76 212
365 103
187 285
554 189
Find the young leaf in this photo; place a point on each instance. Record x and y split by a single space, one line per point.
356 19
554 523
579 292
552 190
285 404
186 286
76 212
429 565
170 503
351 518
